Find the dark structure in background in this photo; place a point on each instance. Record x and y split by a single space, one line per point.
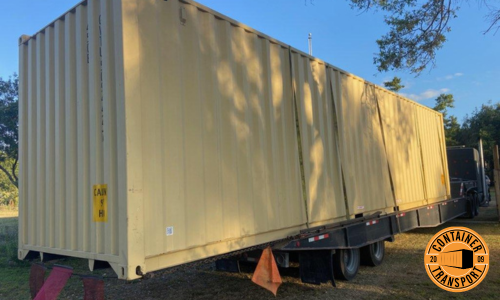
467 174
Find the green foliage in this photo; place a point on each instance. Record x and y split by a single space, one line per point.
8 128
8 192
394 85
443 102
417 29
483 123
452 131
451 126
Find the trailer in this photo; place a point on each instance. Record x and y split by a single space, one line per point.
154 134
336 251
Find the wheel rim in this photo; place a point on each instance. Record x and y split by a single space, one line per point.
349 262
377 250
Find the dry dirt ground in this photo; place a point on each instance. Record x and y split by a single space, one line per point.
401 276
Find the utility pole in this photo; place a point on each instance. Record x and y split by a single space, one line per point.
310 44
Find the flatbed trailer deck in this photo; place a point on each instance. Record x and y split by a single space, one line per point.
318 247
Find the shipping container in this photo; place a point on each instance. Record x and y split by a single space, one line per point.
461 259
156 133
392 149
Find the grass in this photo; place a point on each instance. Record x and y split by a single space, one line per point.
401 276
491 213
13 273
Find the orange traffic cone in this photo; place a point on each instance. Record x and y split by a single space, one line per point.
266 274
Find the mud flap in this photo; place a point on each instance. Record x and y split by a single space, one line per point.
316 267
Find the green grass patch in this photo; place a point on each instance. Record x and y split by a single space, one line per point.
14 274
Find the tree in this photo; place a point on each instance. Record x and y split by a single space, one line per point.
417 29
8 127
452 131
483 123
9 193
394 85
451 126
443 102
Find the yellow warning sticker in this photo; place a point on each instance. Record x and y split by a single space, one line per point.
100 195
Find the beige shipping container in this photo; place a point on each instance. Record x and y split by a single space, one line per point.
319 141
362 149
392 149
180 120
155 133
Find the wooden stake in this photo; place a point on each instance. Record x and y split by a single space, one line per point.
496 176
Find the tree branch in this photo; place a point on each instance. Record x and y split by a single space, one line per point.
14 170
14 182
494 18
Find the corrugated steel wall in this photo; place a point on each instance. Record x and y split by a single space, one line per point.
403 148
219 146
430 127
362 150
319 140
69 132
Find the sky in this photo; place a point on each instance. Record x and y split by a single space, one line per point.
468 66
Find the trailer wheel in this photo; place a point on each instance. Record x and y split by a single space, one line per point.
373 254
474 204
346 263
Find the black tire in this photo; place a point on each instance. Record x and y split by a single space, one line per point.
373 254
474 204
346 263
